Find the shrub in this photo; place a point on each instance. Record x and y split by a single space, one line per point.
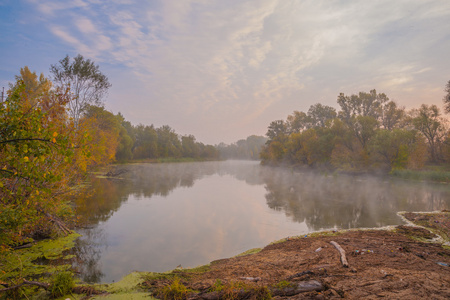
62 284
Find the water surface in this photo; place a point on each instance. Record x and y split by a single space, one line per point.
160 216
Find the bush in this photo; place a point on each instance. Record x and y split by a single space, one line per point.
62 284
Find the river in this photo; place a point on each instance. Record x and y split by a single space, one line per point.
157 217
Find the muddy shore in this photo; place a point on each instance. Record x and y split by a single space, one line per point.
403 263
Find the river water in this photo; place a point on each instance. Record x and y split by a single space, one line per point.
160 216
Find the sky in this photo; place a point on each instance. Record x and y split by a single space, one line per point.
223 70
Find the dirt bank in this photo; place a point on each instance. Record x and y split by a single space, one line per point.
400 264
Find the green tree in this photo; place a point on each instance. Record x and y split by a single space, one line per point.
208 151
88 85
447 98
300 147
395 149
363 104
169 144
297 122
146 142
320 114
277 130
427 120
391 115
273 152
124 148
190 147
364 128
253 146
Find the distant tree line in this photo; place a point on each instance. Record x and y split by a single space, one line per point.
369 132
249 148
148 142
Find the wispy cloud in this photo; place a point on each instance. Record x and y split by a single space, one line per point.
249 62
50 7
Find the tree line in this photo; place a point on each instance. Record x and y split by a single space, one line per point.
248 148
369 132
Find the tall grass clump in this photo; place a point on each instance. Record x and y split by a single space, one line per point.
62 284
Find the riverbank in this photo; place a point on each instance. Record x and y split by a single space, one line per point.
430 173
402 262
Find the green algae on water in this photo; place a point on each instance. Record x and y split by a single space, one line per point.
38 261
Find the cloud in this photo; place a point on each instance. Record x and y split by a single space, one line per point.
50 7
86 26
246 63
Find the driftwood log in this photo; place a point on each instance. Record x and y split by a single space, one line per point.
341 252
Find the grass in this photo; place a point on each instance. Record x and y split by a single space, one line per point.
62 284
184 274
249 252
176 290
283 284
435 175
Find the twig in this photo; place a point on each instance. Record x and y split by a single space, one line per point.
300 274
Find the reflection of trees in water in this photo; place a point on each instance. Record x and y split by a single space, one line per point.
147 180
321 201
87 251
348 202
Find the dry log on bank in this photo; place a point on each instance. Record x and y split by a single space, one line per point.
341 252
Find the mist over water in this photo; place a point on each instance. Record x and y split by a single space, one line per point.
159 216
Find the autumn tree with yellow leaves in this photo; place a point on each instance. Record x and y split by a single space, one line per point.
36 150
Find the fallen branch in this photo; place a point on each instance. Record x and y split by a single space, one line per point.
40 284
63 227
29 245
341 252
89 291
